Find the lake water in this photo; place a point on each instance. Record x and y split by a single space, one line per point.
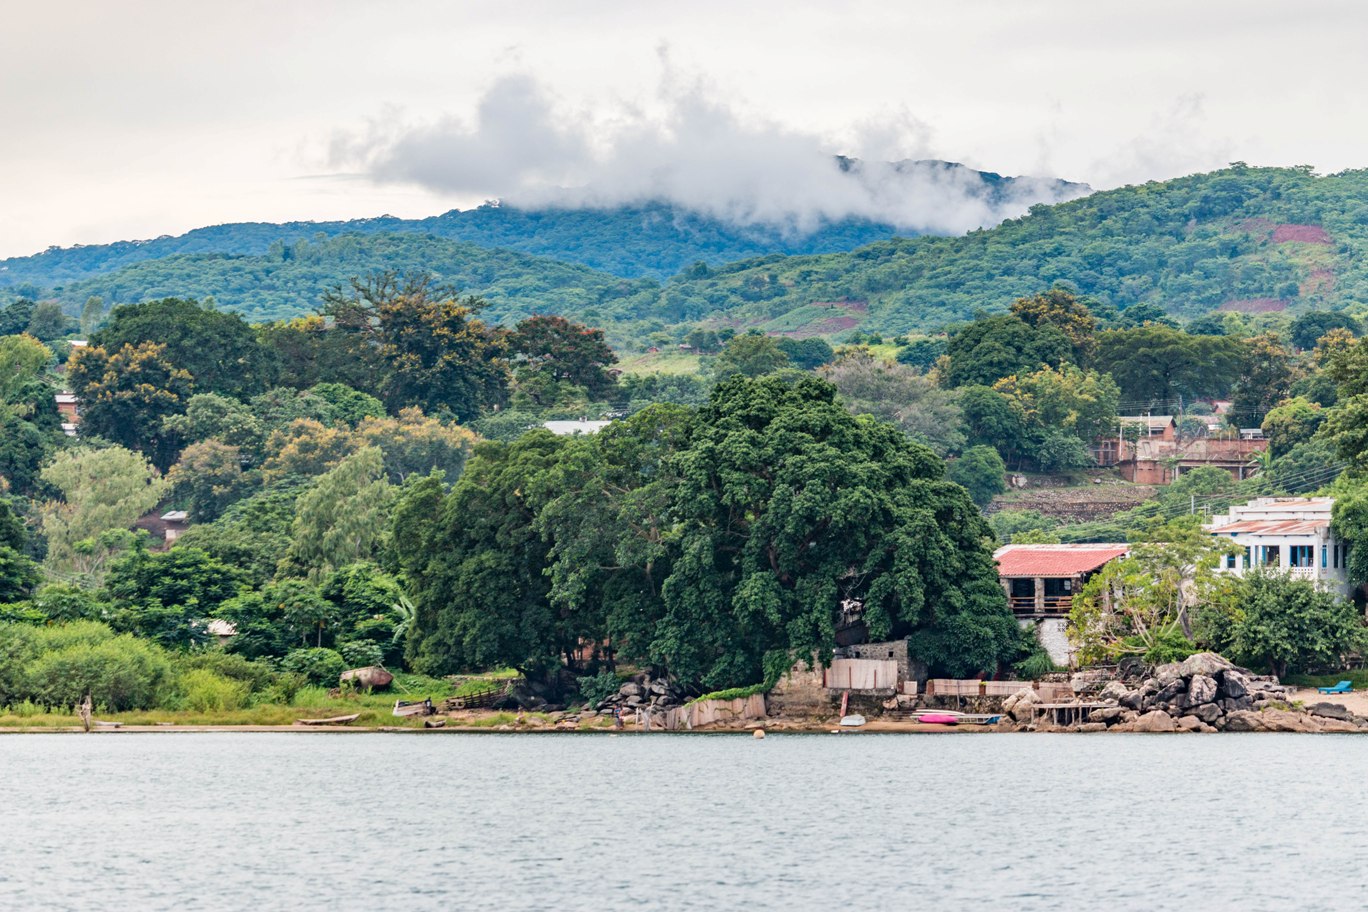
794 822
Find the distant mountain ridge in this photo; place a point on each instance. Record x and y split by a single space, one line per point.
656 239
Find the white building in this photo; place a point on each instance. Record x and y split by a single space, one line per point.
582 426
1290 534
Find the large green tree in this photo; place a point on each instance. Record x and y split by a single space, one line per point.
990 348
788 506
428 346
217 348
126 396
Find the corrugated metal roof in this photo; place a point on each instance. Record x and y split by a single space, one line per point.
1055 560
1273 527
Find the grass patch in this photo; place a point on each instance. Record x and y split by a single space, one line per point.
662 362
1359 679
733 693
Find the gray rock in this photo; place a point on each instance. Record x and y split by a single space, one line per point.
1237 705
1191 724
1114 691
1156 721
1179 703
1207 712
631 689
1330 711
1093 727
1233 685
1133 700
1203 663
1201 689
1171 690
1107 715
634 700
1243 720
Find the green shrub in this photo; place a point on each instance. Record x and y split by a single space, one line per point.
361 653
205 691
258 676
120 673
597 688
319 666
1035 666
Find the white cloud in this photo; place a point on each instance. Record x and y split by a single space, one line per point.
529 147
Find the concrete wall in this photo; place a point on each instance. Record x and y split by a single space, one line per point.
1052 635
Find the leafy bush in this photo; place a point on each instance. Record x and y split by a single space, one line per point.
120 673
361 653
597 688
206 691
1035 666
318 666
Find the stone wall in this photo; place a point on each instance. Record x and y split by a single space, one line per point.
800 693
893 650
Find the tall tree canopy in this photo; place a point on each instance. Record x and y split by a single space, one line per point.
719 545
429 346
217 348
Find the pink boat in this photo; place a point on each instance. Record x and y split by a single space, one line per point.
938 718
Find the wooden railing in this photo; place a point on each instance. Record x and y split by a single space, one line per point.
1051 604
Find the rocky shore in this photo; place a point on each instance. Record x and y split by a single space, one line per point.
1204 693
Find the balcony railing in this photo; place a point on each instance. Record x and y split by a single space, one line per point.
1051 604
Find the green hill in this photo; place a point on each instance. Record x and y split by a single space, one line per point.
290 281
655 239
1254 239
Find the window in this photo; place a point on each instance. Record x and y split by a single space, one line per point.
1336 557
1273 555
1230 562
1325 556
1301 556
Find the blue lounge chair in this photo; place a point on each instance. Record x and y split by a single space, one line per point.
1343 687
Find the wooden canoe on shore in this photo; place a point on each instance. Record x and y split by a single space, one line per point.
335 720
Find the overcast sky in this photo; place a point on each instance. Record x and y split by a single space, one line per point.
130 120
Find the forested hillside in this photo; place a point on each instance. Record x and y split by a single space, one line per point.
1252 239
290 280
650 239
1241 239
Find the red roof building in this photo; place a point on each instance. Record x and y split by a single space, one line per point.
1041 581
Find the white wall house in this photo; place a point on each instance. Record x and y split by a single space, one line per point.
1289 534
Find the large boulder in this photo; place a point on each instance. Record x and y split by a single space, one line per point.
1157 721
1281 720
1020 704
372 677
1207 713
1201 689
1234 685
1193 724
1107 715
1170 690
1243 720
1203 663
1114 691
1133 700
1330 711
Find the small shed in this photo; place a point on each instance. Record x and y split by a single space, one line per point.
176 522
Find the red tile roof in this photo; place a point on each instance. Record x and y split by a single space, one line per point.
1055 560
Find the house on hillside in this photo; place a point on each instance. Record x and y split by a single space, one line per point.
70 411
1040 582
1290 535
1148 450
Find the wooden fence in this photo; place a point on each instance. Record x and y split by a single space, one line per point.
862 674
